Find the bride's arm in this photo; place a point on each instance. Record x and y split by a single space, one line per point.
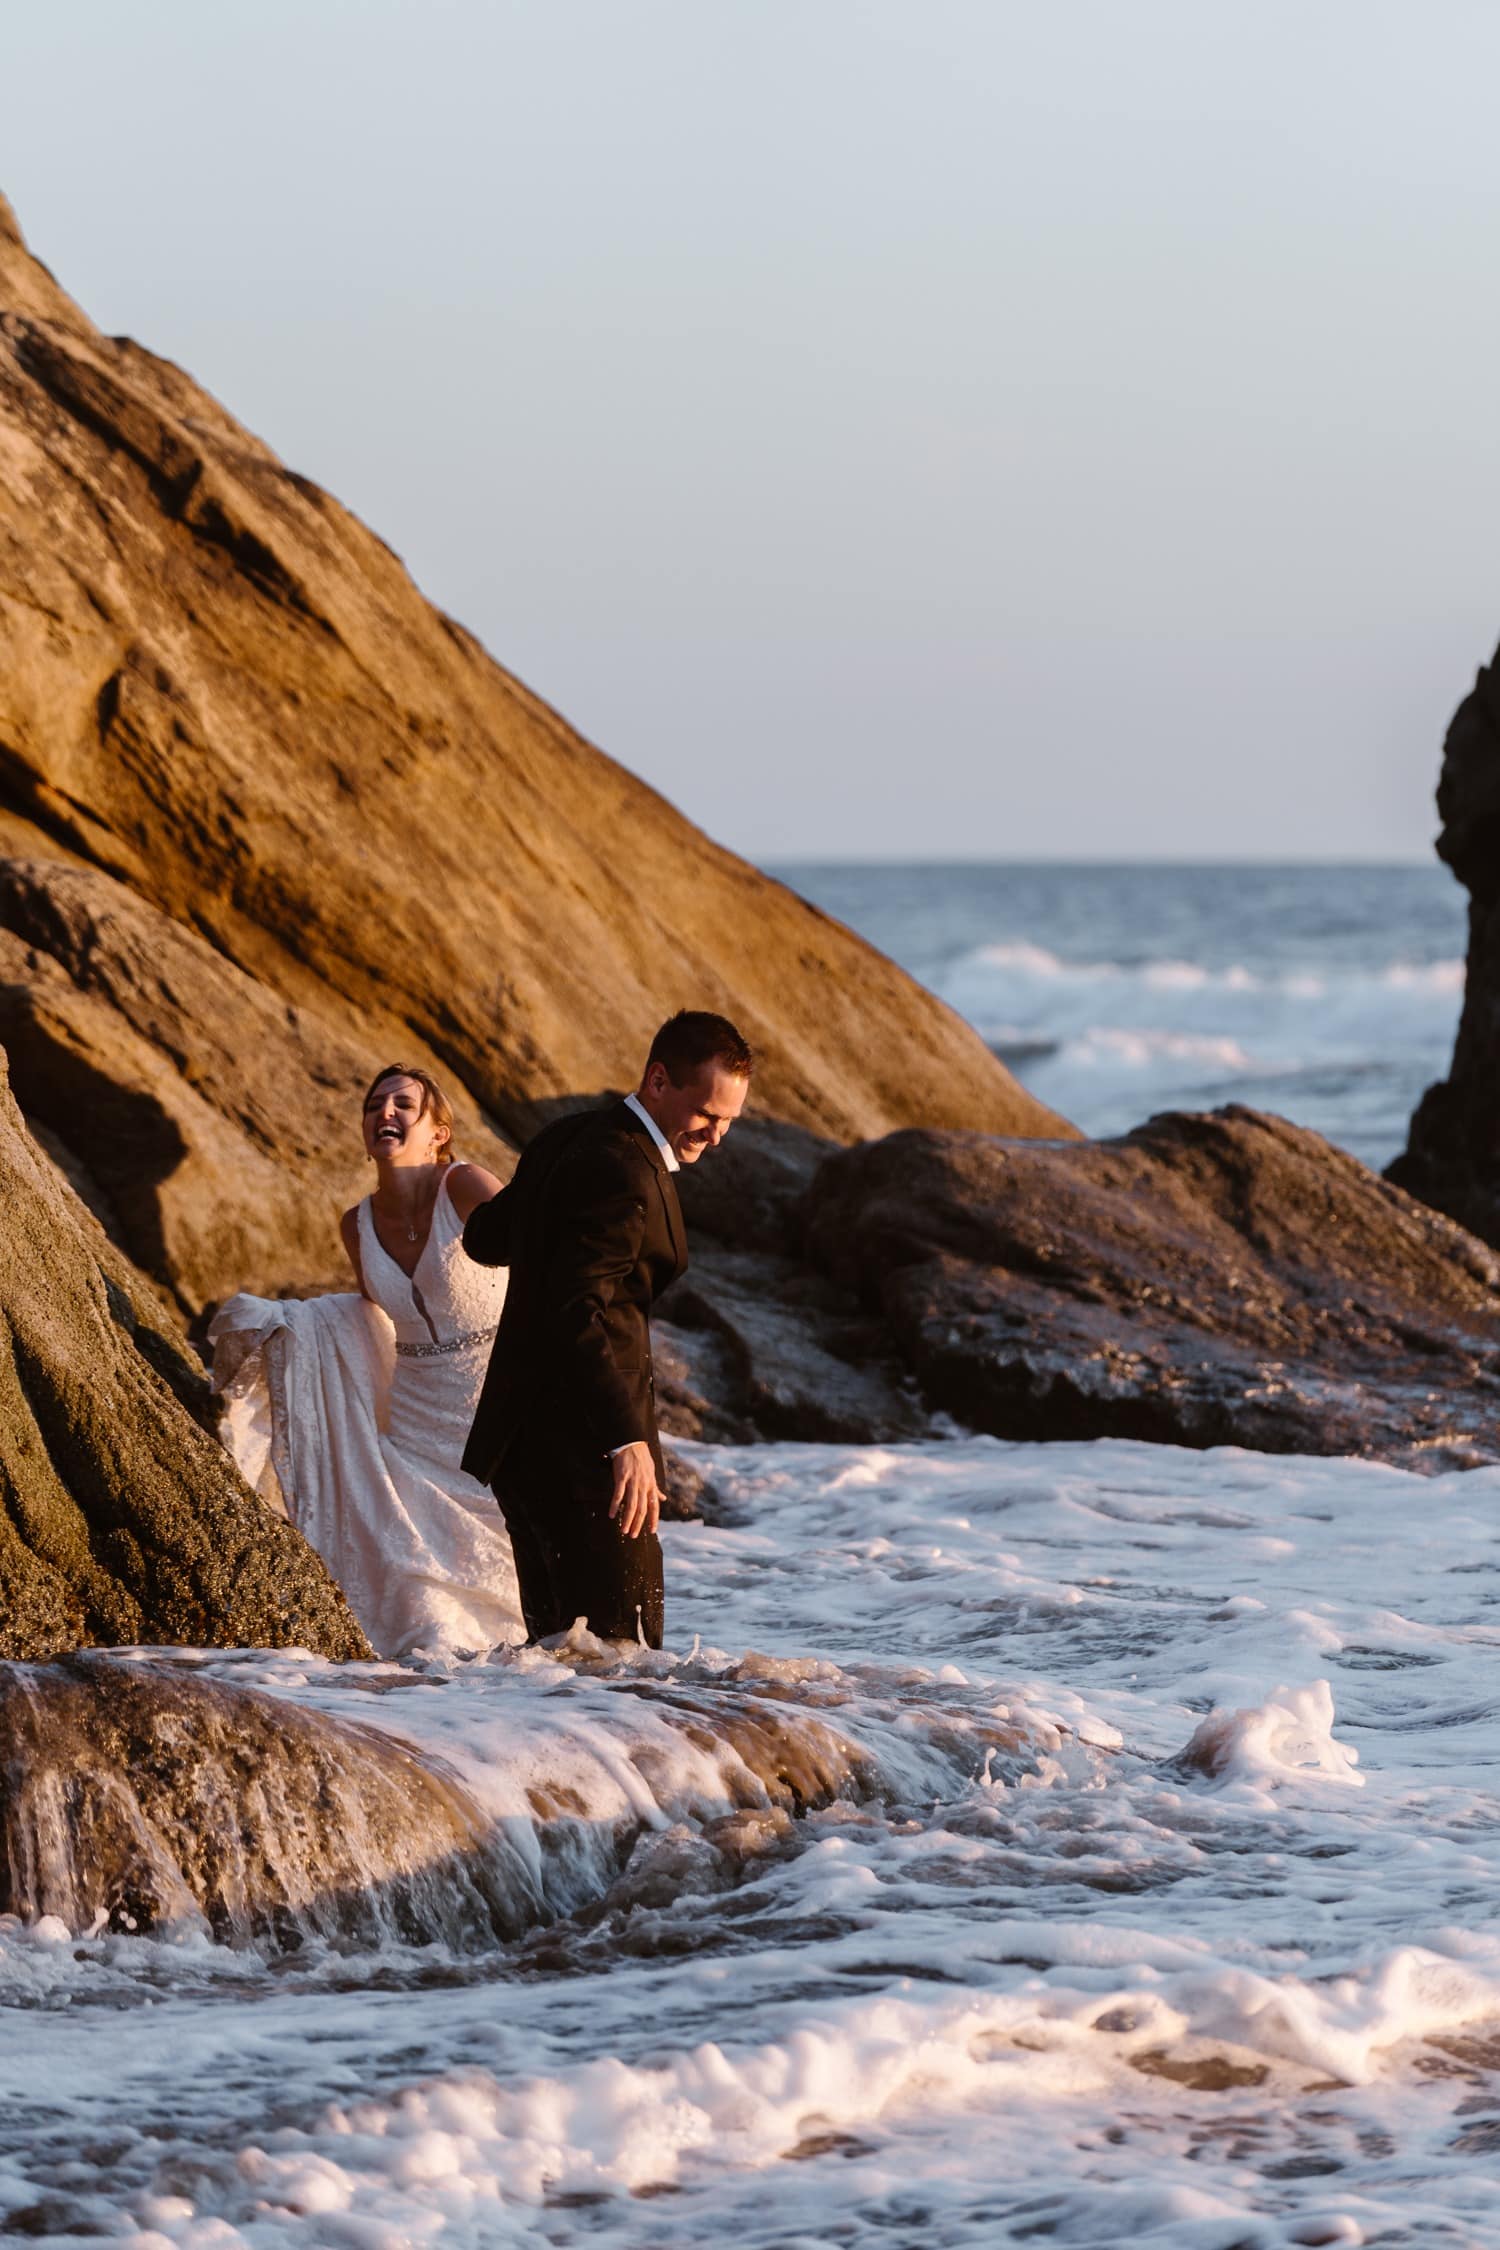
486 1217
349 1236
469 1185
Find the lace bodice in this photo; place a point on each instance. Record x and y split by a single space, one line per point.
360 1434
449 1299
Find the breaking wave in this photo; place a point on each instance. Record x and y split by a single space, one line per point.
1347 1051
1077 1843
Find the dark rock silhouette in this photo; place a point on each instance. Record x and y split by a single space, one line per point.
754 1343
1205 1280
122 1519
1452 1157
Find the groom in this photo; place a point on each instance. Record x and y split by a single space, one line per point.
565 1430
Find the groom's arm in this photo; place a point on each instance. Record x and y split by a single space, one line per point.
488 1230
597 1218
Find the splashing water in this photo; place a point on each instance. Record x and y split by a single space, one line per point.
1327 994
1085 1844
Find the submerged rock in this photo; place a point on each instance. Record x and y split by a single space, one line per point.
1452 1156
122 1518
1205 1280
140 1797
144 1793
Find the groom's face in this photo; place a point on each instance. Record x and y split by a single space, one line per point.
697 1114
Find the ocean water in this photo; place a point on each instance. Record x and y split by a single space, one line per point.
1144 1886
1327 994
1150 1897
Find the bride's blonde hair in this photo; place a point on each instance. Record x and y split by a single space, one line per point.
435 1103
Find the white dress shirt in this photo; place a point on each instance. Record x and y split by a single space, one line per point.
668 1153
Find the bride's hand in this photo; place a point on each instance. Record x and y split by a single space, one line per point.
636 1503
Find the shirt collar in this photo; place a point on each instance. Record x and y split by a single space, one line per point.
668 1153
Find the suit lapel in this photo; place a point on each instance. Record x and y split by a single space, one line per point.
673 1209
667 1186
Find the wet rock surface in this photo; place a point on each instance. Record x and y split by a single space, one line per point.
141 1793
778 1351
1205 1280
122 1519
1452 1156
144 1796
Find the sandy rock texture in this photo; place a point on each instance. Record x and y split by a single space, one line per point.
211 1125
220 690
122 1519
1227 1279
1452 1156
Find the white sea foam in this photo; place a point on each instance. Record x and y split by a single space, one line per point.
1111 1936
1193 1055
1347 1050
1291 1733
1022 960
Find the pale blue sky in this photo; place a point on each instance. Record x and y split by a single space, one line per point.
892 427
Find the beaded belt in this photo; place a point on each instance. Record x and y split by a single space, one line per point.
441 1351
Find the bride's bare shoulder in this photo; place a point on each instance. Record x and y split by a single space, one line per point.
469 1185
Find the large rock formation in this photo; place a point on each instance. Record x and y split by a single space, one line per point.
211 1125
344 833
1452 1158
1217 1280
122 1519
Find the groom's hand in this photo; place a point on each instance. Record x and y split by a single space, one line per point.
636 1504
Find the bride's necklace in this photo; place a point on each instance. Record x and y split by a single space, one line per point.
413 1232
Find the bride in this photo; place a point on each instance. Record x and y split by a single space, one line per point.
349 1413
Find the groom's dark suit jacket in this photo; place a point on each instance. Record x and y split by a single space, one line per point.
592 1232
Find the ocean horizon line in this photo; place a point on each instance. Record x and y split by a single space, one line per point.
1082 861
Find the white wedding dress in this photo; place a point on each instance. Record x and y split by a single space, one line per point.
350 1417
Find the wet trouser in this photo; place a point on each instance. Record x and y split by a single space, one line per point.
571 1560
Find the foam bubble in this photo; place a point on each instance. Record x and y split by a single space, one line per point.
1288 1737
1018 1970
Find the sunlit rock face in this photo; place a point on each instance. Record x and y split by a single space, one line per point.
122 1519
226 693
1452 1157
1227 1279
213 1127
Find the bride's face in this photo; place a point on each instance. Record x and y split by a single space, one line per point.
397 1129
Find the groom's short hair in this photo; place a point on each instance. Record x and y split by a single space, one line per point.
692 1038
